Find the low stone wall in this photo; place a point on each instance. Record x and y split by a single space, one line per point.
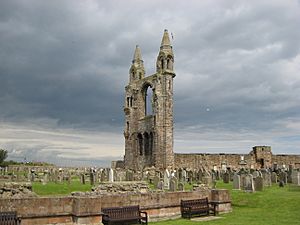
86 210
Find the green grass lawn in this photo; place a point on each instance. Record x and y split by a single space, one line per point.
64 188
272 206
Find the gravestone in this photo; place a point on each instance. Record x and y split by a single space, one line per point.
166 179
111 175
82 178
236 181
160 185
184 176
172 185
274 177
283 176
249 185
180 186
255 174
226 178
180 177
175 180
258 184
295 177
267 179
156 179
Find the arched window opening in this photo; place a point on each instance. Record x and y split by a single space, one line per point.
146 144
140 142
162 64
168 63
127 127
148 101
151 144
131 100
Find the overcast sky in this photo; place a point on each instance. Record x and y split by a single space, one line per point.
64 66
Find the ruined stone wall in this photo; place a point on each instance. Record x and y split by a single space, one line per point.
198 161
253 161
86 210
286 160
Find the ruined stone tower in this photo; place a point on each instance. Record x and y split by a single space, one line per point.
149 111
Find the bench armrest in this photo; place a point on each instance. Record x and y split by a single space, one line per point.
143 212
104 214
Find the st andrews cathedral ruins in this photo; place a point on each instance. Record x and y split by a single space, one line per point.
148 129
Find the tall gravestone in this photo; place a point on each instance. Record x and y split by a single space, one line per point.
274 177
236 182
111 175
249 185
226 178
166 179
258 184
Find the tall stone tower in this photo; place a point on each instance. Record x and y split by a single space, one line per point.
149 111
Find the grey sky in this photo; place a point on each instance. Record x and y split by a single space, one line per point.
64 65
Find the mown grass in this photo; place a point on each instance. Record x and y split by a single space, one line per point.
272 206
64 188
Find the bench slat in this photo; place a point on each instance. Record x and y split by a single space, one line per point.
124 214
195 207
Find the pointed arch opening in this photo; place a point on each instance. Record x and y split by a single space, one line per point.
140 143
148 99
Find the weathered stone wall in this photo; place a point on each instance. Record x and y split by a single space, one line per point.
253 160
286 160
198 161
86 210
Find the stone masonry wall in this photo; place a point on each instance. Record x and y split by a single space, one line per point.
198 161
86 210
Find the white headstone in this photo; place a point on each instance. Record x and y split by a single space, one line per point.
111 175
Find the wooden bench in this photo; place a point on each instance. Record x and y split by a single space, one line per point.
199 207
121 215
9 218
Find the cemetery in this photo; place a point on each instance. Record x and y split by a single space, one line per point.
159 193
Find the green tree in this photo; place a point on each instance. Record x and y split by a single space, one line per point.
3 155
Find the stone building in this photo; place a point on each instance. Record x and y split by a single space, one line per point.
148 111
148 129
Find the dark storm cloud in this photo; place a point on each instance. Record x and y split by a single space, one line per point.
64 65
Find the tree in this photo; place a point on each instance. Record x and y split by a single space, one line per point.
3 155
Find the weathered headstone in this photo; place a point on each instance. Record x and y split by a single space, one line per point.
226 178
180 187
258 184
160 185
283 176
295 177
156 179
184 176
255 174
166 179
111 175
249 186
274 177
172 186
236 182
82 178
